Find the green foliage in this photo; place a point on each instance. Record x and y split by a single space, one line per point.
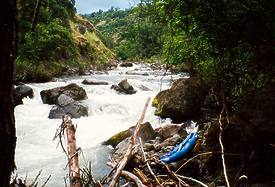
226 41
60 41
130 33
49 42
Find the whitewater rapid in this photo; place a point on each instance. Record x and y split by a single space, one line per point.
109 113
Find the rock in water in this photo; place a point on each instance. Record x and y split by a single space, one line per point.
146 133
94 82
182 101
64 100
21 91
117 88
72 90
75 109
126 64
124 87
24 91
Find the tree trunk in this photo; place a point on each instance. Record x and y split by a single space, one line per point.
35 14
7 123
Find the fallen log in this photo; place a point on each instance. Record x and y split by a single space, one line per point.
74 171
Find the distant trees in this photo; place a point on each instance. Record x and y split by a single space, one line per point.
130 33
7 123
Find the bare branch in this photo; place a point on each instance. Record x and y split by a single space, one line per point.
129 151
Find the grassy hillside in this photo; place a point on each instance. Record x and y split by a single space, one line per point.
58 42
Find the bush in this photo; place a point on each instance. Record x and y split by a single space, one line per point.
48 42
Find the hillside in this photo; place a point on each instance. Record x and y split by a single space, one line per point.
56 41
129 33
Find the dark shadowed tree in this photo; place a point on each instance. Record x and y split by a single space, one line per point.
7 123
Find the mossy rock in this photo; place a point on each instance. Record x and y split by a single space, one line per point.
146 133
182 101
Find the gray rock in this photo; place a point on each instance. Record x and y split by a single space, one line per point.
128 89
117 88
24 91
137 73
64 100
94 82
72 90
168 131
124 87
75 109
168 142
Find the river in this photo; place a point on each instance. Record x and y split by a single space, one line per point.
109 113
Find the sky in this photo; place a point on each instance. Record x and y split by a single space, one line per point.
89 6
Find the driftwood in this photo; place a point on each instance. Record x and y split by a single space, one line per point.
131 146
129 175
74 171
144 179
147 164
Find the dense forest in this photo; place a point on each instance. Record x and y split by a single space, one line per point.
215 59
229 41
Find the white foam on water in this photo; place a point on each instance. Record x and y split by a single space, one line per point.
109 113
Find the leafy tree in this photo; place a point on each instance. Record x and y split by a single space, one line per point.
235 37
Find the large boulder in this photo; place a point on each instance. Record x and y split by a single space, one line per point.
72 90
182 101
24 91
124 87
94 82
146 133
20 92
75 109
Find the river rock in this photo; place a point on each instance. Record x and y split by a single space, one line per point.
128 89
182 101
64 100
24 91
146 133
168 131
94 82
168 142
72 90
137 73
126 64
17 99
20 92
124 87
75 109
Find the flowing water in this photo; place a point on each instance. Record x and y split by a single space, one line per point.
109 113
